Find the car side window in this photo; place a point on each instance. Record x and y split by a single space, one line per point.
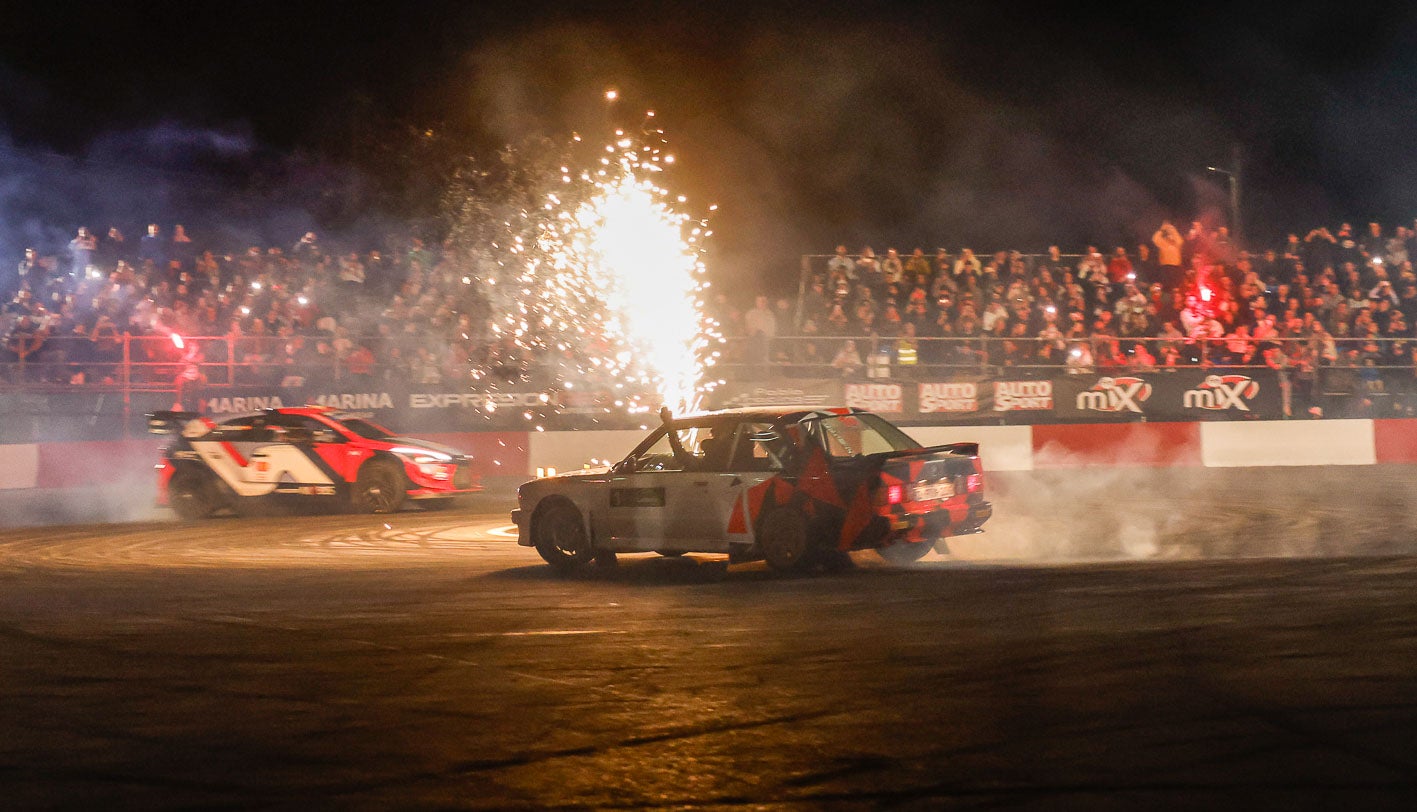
699 450
659 456
243 430
759 447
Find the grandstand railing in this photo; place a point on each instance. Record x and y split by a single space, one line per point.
158 364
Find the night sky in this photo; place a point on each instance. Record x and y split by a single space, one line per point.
989 125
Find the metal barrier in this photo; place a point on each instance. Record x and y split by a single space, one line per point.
161 363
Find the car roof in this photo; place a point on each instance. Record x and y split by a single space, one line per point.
782 414
299 411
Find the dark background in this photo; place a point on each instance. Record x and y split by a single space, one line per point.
809 123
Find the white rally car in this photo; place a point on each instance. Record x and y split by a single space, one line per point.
797 488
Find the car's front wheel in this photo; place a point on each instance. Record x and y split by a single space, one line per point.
380 487
784 541
560 538
192 494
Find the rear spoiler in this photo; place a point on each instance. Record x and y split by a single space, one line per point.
958 449
170 422
962 449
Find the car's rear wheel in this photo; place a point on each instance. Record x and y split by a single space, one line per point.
904 553
560 538
192 494
380 487
784 541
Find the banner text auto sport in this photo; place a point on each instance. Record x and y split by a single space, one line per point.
1184 395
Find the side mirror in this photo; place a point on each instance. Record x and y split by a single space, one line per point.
624 466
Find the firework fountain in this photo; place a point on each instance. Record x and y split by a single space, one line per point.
588 264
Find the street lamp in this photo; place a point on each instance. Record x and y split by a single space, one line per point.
1233 175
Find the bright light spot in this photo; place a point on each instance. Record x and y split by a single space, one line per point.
178 342
612 94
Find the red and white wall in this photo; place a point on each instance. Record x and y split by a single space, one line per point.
1003 448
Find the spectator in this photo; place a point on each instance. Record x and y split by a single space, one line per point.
1169 245
892 270
81 253
1119 268
847 361
113 248
152 248
842 264
182 251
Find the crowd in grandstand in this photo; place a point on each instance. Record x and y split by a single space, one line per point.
1343 299
300 310
1325 299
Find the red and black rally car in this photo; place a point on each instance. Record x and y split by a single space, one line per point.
311 452
798 488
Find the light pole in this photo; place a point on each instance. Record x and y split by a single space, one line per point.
1233 175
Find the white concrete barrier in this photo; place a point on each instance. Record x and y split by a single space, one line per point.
1293 442
19 466
1001 448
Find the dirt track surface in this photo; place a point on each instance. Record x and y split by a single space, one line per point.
1232 639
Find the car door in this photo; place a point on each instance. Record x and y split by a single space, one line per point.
285 461
758 453
701 509
637 495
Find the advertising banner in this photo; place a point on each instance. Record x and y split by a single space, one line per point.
808 392
1183 395
883 398
1180 395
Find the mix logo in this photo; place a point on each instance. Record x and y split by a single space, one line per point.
1115 395
1222 392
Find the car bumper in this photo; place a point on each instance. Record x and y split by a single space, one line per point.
520 518
946 520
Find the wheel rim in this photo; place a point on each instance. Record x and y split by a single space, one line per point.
565 535
380 493
785 541
186 497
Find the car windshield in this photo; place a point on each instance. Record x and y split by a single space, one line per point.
365 429
856 434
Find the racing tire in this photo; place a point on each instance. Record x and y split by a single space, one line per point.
834 560
785 542
904 553
560 539
192 494
380 487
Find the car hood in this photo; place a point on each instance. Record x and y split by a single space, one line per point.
425 445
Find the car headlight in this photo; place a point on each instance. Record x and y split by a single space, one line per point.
420 456
432 464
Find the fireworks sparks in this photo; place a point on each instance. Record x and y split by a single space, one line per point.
598 273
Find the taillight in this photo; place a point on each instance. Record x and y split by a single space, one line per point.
895 494
974 482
